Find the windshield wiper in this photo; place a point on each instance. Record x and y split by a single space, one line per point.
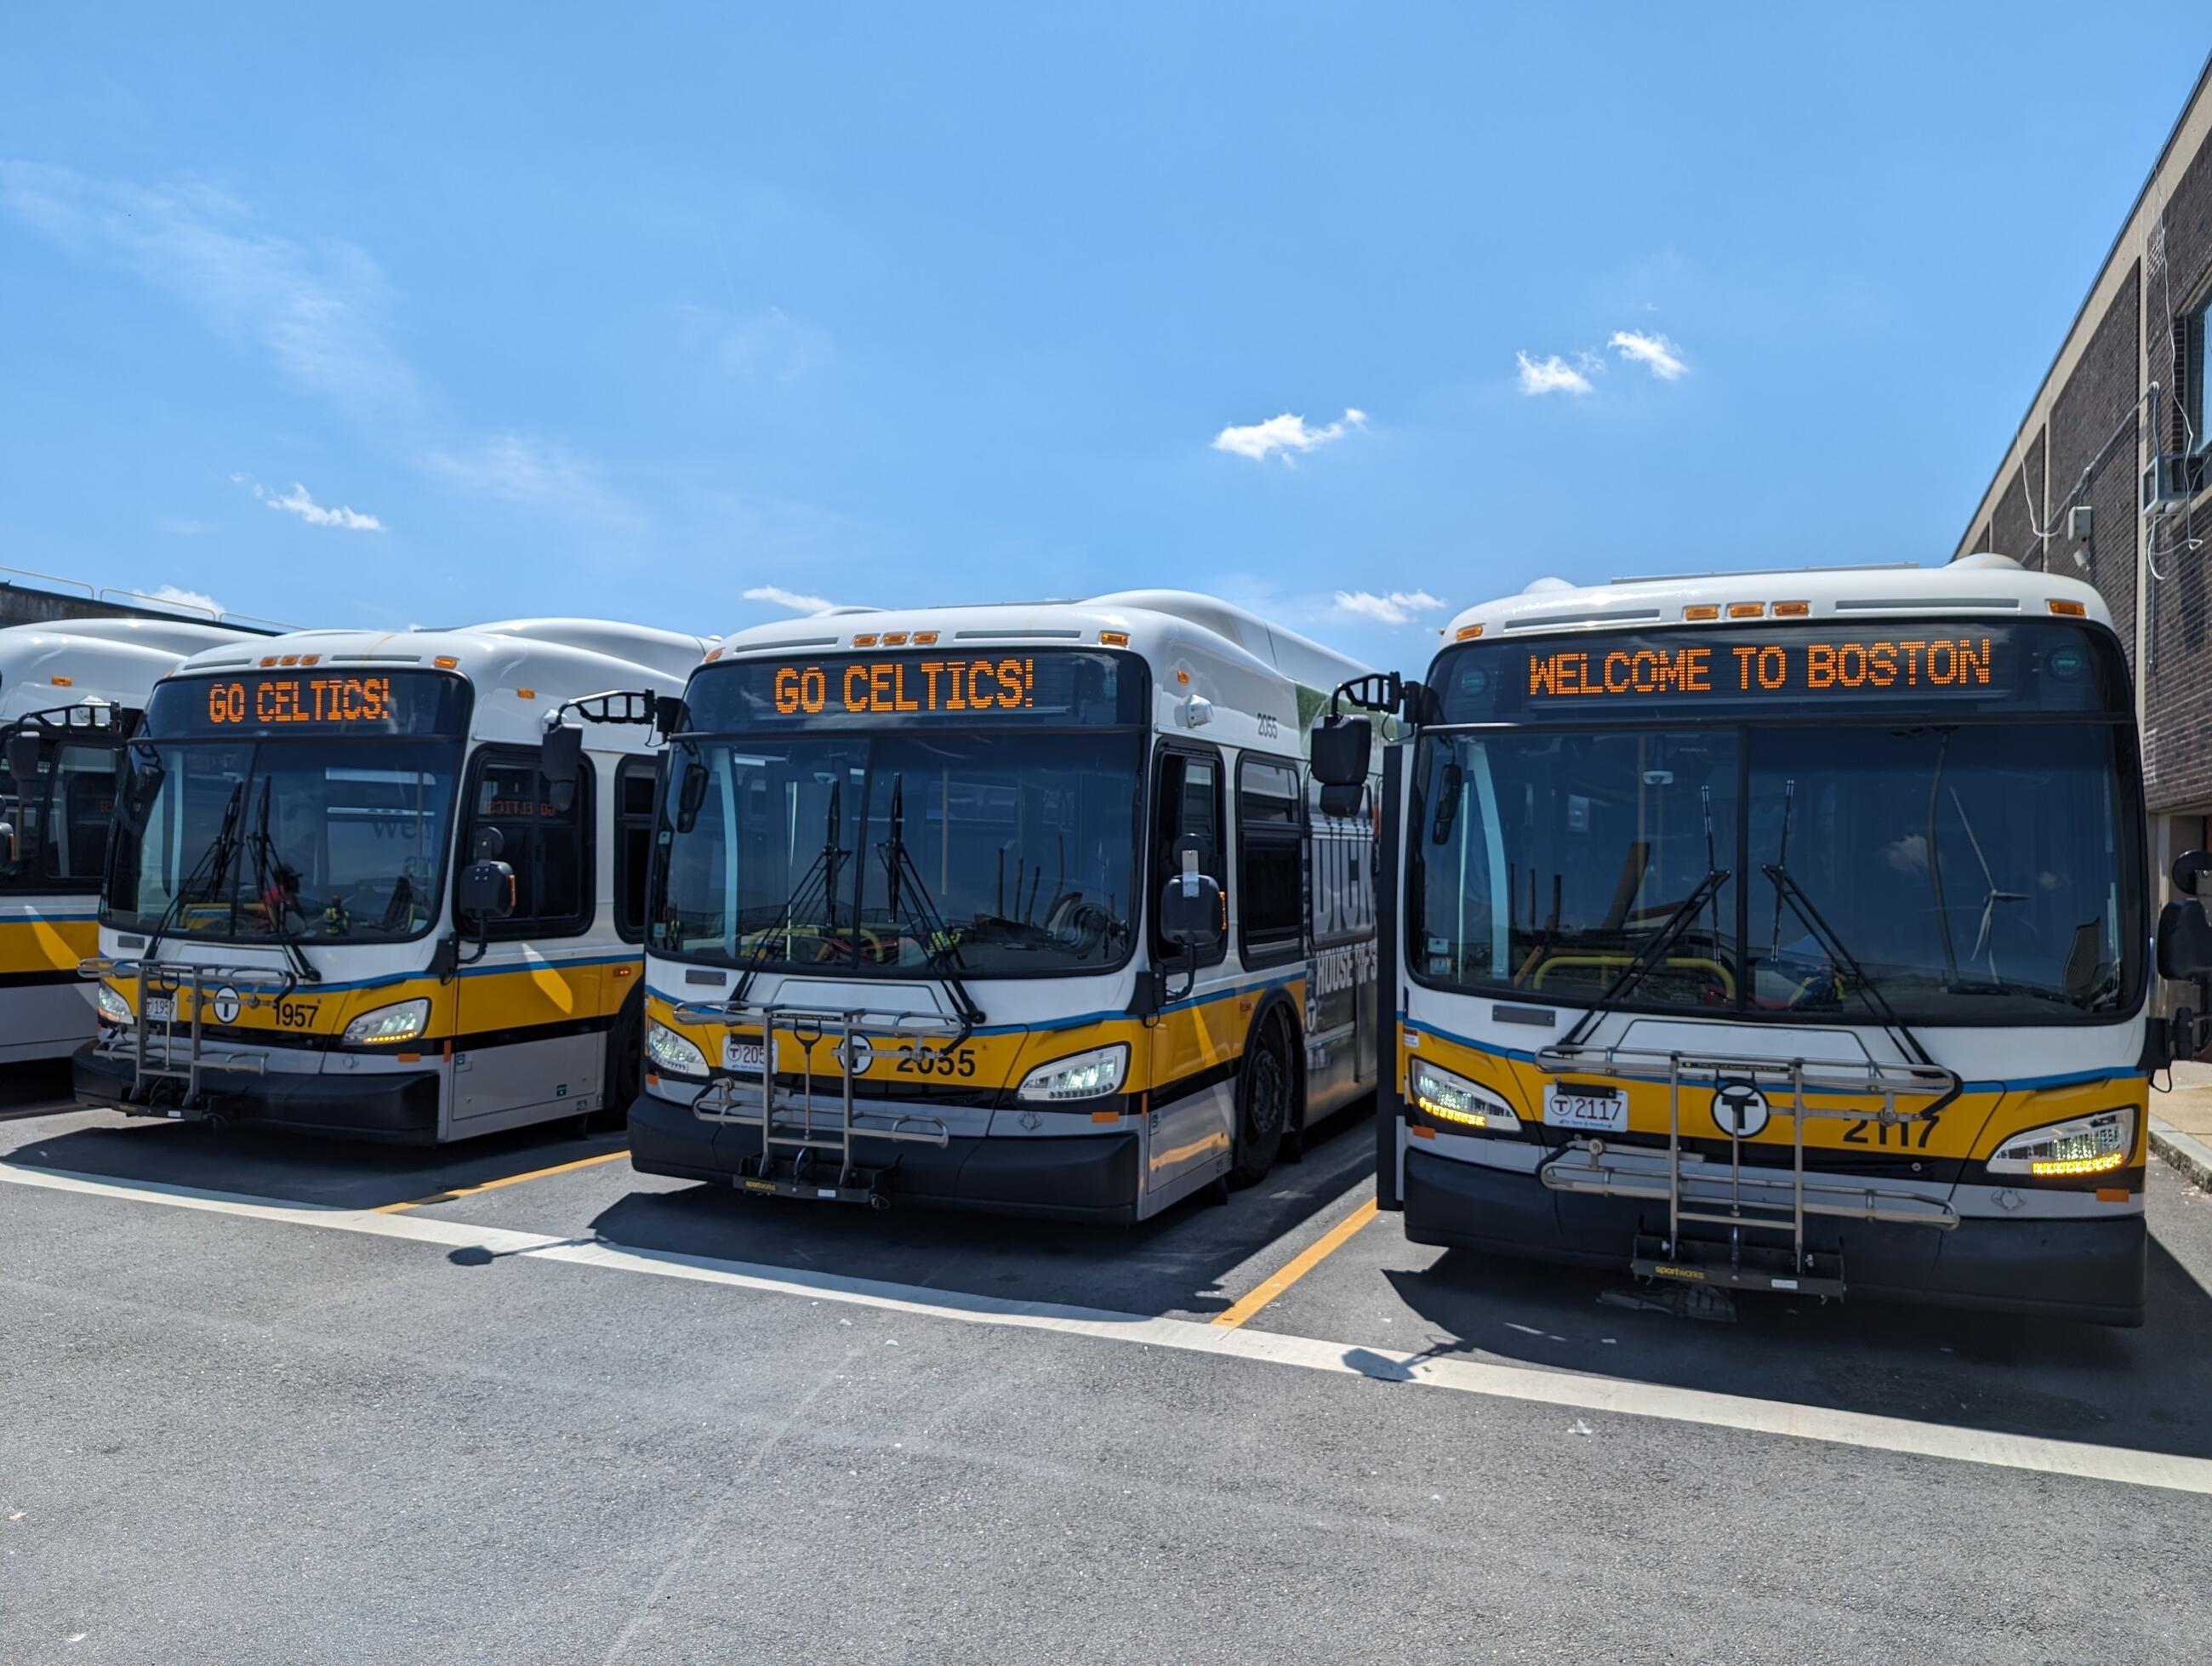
1706 891
269 871
939 944
821 876
1788 889
209 871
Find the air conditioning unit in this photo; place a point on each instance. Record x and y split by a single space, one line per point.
2172 479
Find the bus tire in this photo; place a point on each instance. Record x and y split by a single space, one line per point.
1266 1085
624 1075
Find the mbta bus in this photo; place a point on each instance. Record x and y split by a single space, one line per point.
71 691
1782 931
1026 909
342 895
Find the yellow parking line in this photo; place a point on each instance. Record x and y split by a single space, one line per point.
1301 1264
493 1185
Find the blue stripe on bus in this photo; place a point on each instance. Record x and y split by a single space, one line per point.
44 918
1083 1018
2021 1084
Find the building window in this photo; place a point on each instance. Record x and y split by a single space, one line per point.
2195 369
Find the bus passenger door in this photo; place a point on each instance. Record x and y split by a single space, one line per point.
530 1042
1198 1037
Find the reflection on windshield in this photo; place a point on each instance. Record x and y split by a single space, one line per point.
329 843
1013 853
1973 872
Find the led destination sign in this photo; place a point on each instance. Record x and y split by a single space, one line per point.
987 687
1785 668
308 702
1940 666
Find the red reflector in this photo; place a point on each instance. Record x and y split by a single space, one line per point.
1420 1132
2113 1195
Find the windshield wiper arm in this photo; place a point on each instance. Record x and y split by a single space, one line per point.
210 871
939 944
1648 957
821 876
269 870
1786 887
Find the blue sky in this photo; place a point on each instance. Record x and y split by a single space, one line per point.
1353 313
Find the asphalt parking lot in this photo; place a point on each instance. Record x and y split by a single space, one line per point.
512 1400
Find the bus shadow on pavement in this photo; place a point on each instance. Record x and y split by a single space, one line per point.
2142 1390
289 1168
1172 1263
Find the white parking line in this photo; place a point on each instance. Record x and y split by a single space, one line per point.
1594 1393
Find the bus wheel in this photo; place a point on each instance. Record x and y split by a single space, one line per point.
1263 1101
625 1068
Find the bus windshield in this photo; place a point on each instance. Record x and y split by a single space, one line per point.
320 841
892 854
1973 873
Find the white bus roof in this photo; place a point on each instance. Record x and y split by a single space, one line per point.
68 661
535 662
1974 586
1156 621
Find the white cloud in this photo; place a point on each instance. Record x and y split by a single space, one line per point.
766 345
1393 607
1654 350
318 312
1550 375
792 599
194 598
296 501
1287 433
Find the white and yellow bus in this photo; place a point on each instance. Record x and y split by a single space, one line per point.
907 939
72 693
344 897
1782 931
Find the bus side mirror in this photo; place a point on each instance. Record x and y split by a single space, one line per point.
487 891
25 749
2188 870
1341 746
561 761
2184 941
691 794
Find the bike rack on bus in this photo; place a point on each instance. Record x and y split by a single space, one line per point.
256 986
801 1139
1757 1204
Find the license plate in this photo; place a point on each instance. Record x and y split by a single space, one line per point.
160 1009
1578 1106
743 1057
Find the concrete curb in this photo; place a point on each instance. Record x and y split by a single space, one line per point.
2184 1152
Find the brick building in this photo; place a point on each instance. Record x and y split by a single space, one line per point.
2119 427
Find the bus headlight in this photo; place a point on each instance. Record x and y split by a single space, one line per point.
114 1009
2087 1144
1079 1076
1450 1099
667 1051
388 1025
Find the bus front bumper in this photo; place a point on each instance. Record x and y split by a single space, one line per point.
389 1107
1087 1178
2069 1267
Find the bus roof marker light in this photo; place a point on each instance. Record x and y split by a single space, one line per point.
1793 609
1701 612
894 639
1467 633
62 682
866 639
2066 609
1115 638
924 638
1747 610
447 662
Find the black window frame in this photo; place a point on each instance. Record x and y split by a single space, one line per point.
521 924
1159 839
629 927
1277 946
2192 340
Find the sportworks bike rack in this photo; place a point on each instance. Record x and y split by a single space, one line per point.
806 1146
1758 1203
256 986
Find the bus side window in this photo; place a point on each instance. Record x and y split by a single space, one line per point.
1189 807
1270 862
633 787
549 849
